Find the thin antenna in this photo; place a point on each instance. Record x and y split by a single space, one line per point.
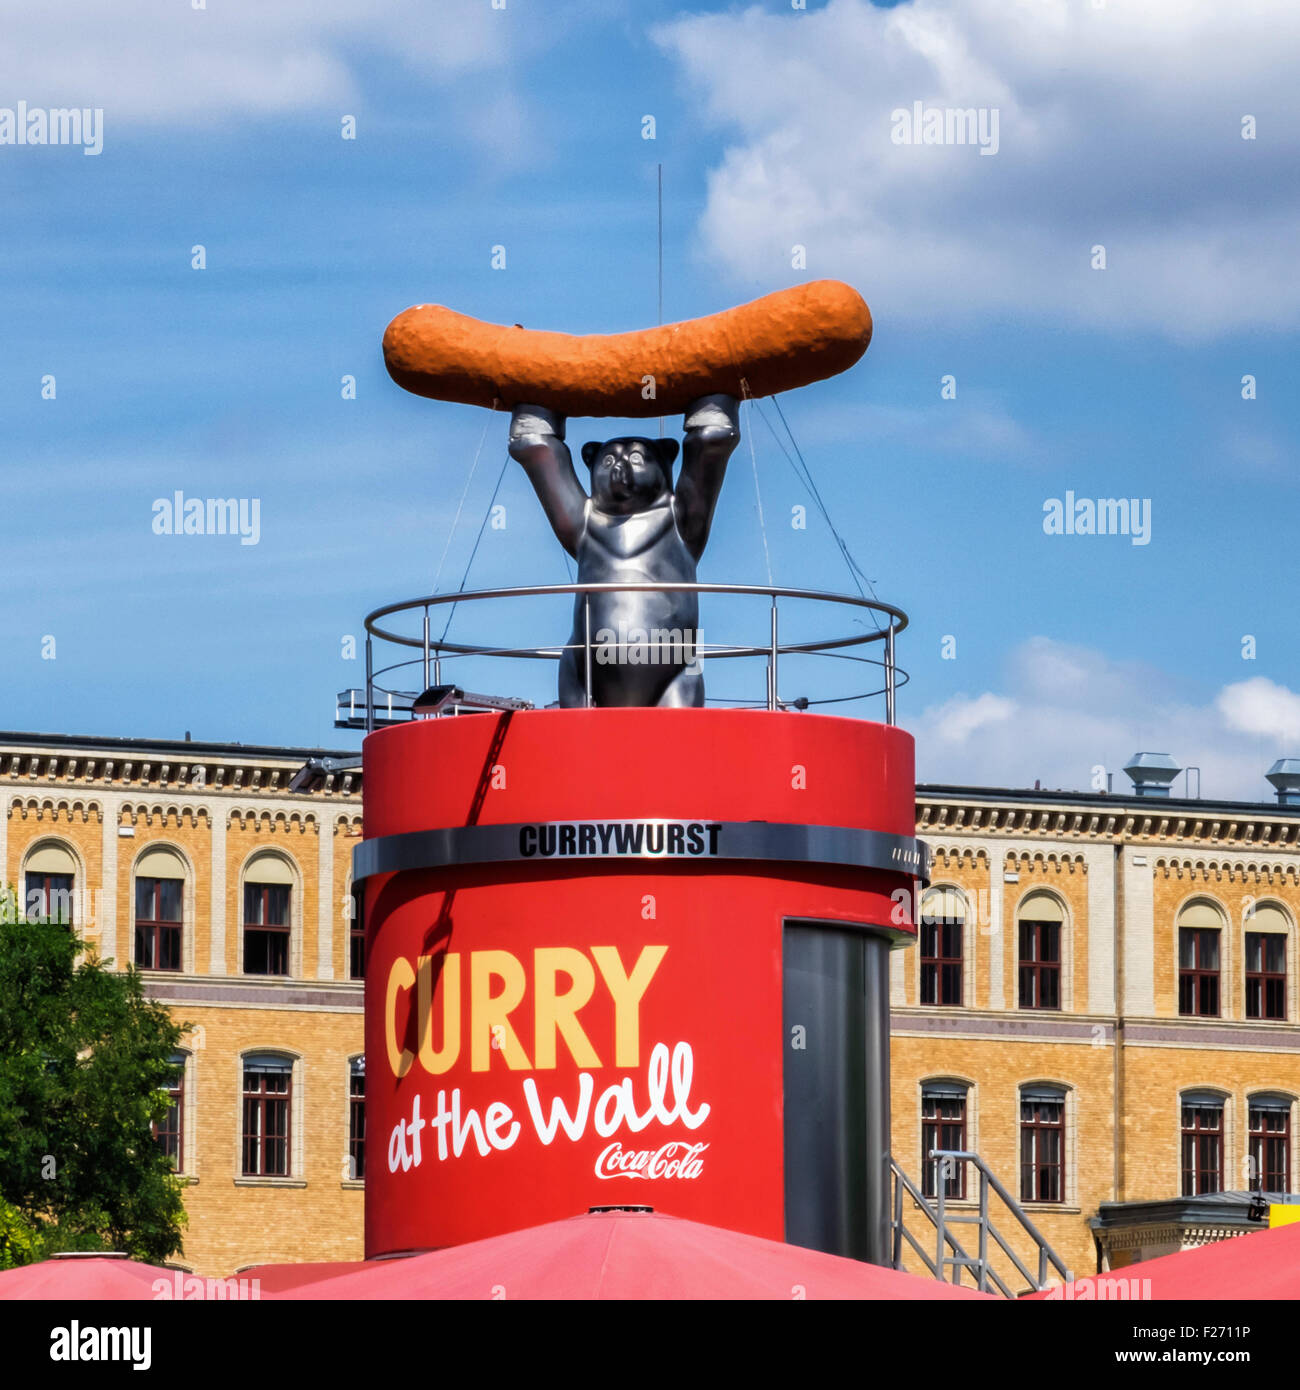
660 169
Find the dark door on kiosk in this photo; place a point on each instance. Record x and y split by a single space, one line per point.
836 1047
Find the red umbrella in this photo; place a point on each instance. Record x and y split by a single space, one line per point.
1262 1264
624 1255
278 1278
83 1277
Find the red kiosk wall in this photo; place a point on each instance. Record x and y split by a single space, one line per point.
551 1034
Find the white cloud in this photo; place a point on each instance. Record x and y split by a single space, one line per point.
1066 710
1118 125
1260 706
149 64
955 721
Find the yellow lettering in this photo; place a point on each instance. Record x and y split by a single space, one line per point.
490 1011
627 991
401 976
556 1012
445 1057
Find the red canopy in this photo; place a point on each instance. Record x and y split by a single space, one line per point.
627 1255
84 1277
1262 1265
278 1278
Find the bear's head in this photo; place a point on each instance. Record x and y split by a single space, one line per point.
629 475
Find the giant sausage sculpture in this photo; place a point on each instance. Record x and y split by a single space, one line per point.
776 343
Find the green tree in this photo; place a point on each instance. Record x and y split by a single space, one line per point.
84 1055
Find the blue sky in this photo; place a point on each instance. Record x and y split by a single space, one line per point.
522 127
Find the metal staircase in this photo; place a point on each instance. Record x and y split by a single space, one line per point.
943 1218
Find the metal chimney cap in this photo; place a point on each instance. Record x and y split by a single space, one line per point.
1284 773
1152 773
1154 761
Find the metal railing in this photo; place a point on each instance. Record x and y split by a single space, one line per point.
384 701
942 1218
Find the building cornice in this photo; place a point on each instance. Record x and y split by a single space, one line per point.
1177 826
192 773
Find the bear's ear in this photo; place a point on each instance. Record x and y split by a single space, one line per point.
667 452
589 451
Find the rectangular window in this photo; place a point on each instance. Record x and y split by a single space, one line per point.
1265 975
49 898
1042 1150
170 1130
357 1119
1270 1147
158 923
1202 1149
1040 965
266 928
357 936
267 1093
943 1126
941 961
1198 972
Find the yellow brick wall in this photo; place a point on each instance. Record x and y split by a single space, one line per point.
1153 1080
996 1070
1233 893
236 1222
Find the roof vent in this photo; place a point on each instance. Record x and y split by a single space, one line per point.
1285 776
1152 773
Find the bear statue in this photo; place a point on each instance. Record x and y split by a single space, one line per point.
635 527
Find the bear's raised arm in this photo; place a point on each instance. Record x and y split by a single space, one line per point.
537 442
712 433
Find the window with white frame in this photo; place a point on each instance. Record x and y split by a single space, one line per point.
49 881
268 921
1040 928
1203 1137
1042 1143
267 1115
1270 1142
159 909
1267 931
942 954
943 1128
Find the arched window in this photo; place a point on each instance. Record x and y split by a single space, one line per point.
1040 925
357 931
159 910
170 1130
1266 940
1270 1142
943 922
50 876
357 1119
267 1115
1203 1137
943 1127
268 893
1200 936
1042 1143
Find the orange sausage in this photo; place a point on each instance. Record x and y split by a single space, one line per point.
775 343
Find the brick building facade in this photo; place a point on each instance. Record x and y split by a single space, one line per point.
1103 1004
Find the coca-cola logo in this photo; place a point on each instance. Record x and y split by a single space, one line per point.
676 1159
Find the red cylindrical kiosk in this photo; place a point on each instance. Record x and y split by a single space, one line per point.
582 986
